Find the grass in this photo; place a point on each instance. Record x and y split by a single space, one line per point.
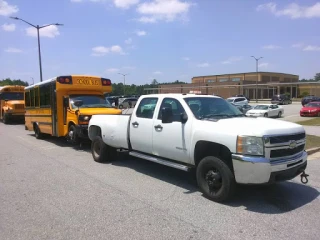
311 122
312 141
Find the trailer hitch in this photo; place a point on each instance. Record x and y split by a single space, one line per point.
304 178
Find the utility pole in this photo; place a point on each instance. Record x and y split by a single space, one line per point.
38 33
257 65
124 82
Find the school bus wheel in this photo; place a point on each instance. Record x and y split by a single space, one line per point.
72 134
37 131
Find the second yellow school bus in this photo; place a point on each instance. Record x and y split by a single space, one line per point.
52 106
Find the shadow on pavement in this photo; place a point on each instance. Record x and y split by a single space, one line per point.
274 199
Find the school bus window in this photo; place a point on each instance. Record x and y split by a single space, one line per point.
27 101
11 96
32 98
44 96
90 101
36 97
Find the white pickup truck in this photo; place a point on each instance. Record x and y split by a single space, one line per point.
205 133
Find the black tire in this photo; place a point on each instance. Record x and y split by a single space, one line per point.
72 134
265 115
37 132
120 106
279 114
213 171
102 152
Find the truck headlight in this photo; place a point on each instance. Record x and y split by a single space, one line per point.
248 145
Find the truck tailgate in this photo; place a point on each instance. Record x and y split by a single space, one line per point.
113 129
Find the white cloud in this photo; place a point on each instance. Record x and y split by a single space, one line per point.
102 51
186 58
271 47
6 9
112 70
293 10
167 10
263 65
157 72
125 4
232 60
49 32
297 45
203 65
13 50
128 41
141 33
9 27
311 48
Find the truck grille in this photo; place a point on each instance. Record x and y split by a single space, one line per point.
286 151
287 138
19 106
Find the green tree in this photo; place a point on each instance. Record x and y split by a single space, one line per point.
317 77
9 81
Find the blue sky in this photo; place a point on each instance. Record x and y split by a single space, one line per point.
159 39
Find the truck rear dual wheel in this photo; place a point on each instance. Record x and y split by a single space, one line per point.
215 179
102 152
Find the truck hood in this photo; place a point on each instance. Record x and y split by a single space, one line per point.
251 126
93 111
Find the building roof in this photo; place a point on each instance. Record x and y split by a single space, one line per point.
246 73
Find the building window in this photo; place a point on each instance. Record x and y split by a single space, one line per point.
235 79
211 80
223 79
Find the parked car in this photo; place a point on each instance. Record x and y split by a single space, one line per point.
312 109
128 103
204 133
281 99
240 95
266 110
238 100
310 98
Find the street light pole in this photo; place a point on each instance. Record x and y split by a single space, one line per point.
38 33
124 82
257 64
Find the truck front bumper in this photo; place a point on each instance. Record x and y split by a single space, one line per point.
259 170
82 131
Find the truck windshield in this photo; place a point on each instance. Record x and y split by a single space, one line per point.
210 107
12 96
90 101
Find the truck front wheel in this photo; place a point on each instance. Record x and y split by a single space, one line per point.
102 152
215 179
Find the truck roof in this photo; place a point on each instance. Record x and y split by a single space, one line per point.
179 95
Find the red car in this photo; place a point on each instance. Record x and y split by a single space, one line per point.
311 109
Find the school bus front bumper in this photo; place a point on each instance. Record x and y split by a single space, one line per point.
82 131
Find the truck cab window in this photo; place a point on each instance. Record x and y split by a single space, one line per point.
176 107
146 108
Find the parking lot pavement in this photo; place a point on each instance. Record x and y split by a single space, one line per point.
52 190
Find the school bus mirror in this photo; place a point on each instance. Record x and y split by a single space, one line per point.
66 102
78 103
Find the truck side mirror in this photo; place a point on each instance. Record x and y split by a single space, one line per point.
183 117
167 115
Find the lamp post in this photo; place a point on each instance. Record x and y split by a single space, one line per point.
257 61
124 82
38 32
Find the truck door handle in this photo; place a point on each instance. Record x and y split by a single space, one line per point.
135 124
158 127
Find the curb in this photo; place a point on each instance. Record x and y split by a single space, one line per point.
311 151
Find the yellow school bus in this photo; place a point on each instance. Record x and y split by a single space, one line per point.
11 103
52 106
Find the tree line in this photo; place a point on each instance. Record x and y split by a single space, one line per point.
9 81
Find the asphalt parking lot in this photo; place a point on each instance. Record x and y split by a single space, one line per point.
52 190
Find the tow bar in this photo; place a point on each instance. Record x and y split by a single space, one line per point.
304 177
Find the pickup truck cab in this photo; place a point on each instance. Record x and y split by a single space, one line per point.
205 133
